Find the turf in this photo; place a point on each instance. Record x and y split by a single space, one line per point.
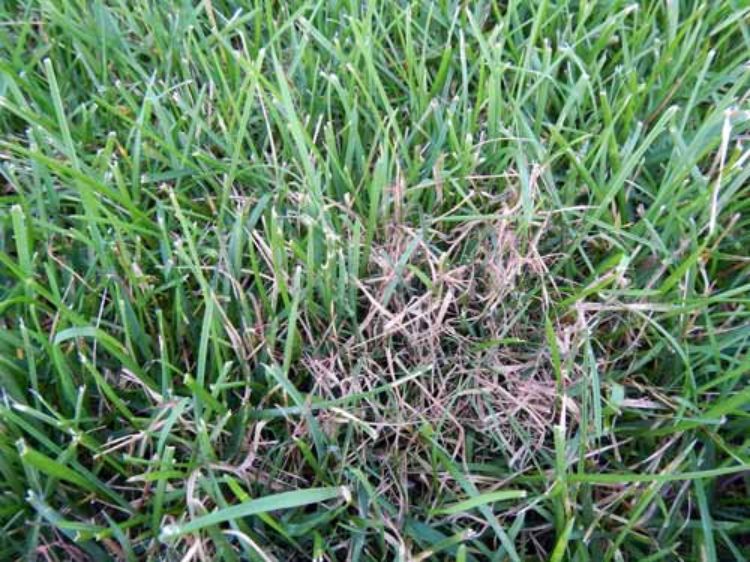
375 280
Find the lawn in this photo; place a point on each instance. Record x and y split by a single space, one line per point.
373 280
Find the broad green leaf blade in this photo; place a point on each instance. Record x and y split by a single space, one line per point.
481 499
284 500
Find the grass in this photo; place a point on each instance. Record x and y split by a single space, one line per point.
378 280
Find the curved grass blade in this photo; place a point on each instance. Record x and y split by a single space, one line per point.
284 500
